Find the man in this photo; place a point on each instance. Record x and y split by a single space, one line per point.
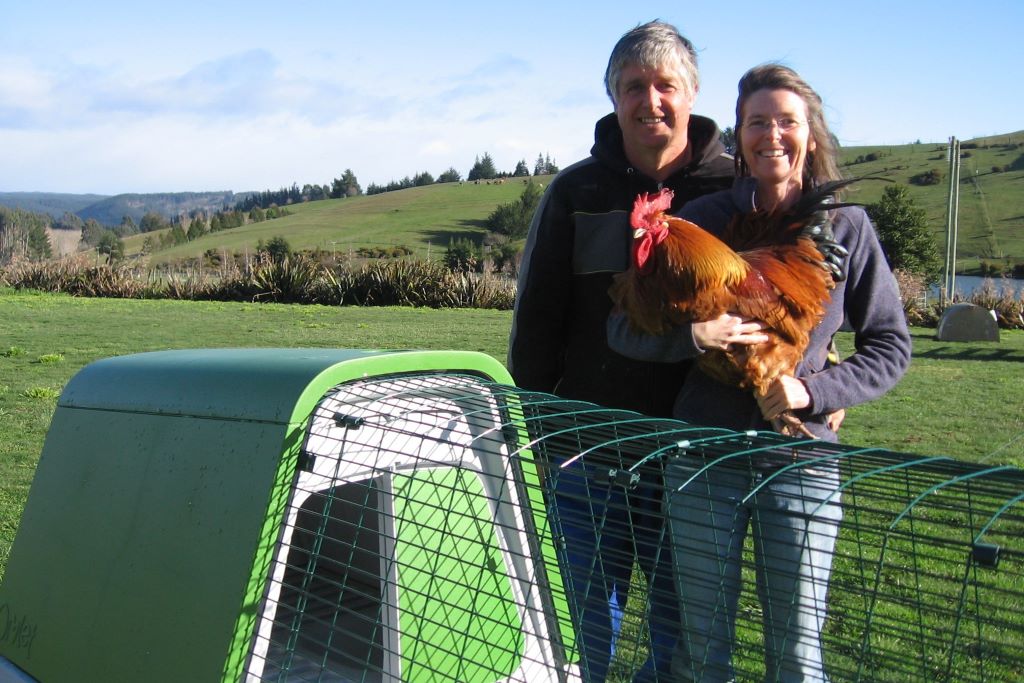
580 237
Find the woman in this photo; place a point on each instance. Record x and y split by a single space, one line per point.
784 148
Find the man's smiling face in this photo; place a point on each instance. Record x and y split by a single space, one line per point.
653 108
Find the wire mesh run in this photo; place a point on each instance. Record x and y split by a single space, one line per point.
445 528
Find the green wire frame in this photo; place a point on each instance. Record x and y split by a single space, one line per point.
927 570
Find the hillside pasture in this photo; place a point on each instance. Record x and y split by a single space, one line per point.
991 210
424 219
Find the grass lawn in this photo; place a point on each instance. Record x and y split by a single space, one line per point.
958 399
961 400
47 338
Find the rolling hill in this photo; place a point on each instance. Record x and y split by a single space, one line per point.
991 197
991 201
110 210
52 203
424 219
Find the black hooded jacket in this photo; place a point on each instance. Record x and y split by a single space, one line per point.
580 237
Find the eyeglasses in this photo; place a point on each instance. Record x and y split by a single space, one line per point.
785 124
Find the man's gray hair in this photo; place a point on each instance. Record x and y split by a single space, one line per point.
652 45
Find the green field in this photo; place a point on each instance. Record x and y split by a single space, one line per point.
958 399
961 400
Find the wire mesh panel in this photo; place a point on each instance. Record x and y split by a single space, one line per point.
409 552
444 528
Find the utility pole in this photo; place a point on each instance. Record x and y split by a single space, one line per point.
952 222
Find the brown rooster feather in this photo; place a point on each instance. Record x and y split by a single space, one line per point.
764 268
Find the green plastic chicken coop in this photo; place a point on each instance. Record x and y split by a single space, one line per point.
324 515
263 514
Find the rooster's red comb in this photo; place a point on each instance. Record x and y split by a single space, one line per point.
646 206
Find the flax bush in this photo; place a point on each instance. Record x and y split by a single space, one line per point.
297 278
304 279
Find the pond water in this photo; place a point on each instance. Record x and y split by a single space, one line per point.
966 284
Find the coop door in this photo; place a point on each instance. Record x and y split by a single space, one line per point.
326 610
394 561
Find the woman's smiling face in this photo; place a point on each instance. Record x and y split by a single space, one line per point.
775 138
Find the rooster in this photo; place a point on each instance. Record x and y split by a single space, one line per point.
766 267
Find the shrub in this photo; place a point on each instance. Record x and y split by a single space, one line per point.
1001 300
505 257
277 247
913 294
397 251
990 269
462 256
932 177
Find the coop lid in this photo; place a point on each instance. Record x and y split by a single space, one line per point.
248 384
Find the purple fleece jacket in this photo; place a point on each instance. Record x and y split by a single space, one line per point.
869 301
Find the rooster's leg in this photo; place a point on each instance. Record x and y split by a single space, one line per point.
789 424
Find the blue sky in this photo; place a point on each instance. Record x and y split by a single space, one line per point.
110 97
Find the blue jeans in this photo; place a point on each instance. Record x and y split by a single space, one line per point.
605 528
793 515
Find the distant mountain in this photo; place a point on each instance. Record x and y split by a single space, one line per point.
111 210
52 203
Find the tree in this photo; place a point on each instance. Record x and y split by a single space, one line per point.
111 245
483 169
346 185
127 227
513 219
421 179
728 138
903 231
152 221
38 245
450 176
257 215
69 221
538 166
544 165
521 169
176 235
92 231
196 229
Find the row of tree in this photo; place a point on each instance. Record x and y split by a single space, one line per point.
23 235
483 169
